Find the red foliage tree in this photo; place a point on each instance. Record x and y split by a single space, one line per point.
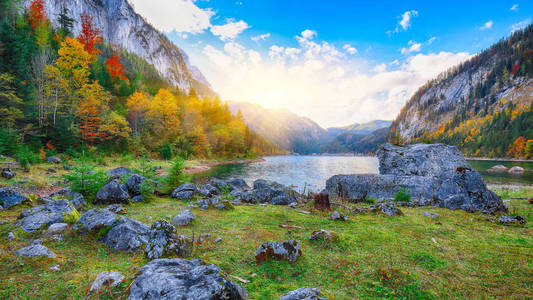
37 13
90 126
89 36
115 68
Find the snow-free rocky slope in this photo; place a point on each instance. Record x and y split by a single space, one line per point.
122 27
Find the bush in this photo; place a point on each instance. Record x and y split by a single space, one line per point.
176 176
402 196
9 141
25 157
85 180
146 169
370 200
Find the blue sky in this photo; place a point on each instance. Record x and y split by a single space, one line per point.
337 62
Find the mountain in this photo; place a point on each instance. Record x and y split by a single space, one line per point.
122 27
286 129
482 105
360 128
350 141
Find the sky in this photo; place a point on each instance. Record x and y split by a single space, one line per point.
337 62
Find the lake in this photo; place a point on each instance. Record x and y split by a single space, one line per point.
311 172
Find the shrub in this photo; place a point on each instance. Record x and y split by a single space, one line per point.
85 180
370 200
176 176
146 169
25 157
402 196
71 217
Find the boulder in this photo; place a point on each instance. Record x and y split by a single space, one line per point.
35 249
43 215
116 208
53 160
509 220
9 197
119 172
56 228
184 191
323 235
288 251
208 190
433 174
126 235
429 214
11 236
183 218
303 294
214 203
134 184
338 216
7 173
112 192
65 193
498 168
183 279
387 208
516 170
218 240
51 170
231 184
104 279
261 195
95 220
138 198
162 241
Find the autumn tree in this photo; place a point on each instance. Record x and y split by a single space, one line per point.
90 35
517 149
115 68
74 62
56 89
9 101
529 149
93 102
37 14
115 127
138 104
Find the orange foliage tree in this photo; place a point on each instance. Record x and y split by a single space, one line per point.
90 36
115 68
37 13
90 107
517 149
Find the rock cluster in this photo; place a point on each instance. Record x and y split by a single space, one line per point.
163 241
433 174
37 217
183 279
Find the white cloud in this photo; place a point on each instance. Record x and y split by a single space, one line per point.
315 81
413 47
405 21
308 34
178 15
431 40
261 37
487 25
520 25
350 49
514 8
230 30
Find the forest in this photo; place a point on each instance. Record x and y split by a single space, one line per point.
61 93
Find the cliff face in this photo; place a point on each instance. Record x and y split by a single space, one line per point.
476 104
122 27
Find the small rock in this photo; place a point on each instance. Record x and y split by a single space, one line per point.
337 216
106 278
498 168
55 229
508 220
387 208
429 214
516 170
7 173
58 238
287 250
35 249
303 294
53 160
11 236
218 240
183 218
55 268
51 170
184 191
116 208
138 198
9 197
323 235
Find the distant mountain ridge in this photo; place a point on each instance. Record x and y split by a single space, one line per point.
122 27
304 136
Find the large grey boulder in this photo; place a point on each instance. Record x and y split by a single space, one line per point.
119 172
230 184
184 191
162 241
208 190
43 215
303 294
35 249
433 174
95 220
183 218
183 279
112 192
126 235
134 184
9 197
287 250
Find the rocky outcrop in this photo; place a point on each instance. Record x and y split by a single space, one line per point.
433 174
183 279
163 241
303 294
35 249
95 220
288 251
272 192
126 235
43 215
498 168
9 197
65 193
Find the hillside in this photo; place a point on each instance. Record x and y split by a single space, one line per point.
354 142
484 105
360 128
288 130
123 28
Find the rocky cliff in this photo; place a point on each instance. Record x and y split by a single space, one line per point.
122 27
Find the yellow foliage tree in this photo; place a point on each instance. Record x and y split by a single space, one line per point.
93 101
74 62
138 104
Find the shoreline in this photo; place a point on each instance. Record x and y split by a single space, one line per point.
499 159
207 165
